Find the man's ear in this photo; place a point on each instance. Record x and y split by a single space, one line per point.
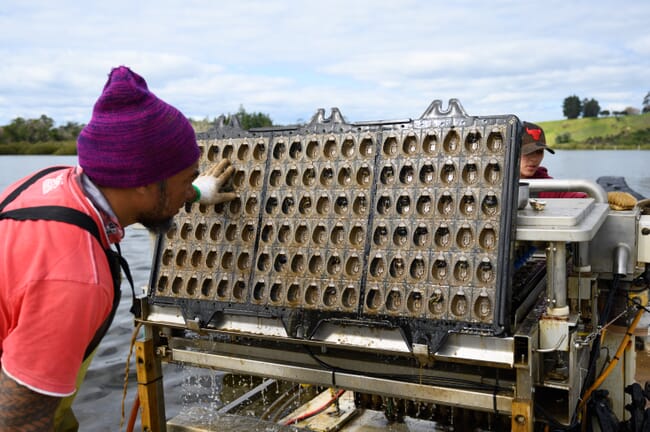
143 190
146 194
149 188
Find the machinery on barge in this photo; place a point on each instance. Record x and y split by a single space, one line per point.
392 273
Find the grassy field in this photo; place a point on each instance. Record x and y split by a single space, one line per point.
623 132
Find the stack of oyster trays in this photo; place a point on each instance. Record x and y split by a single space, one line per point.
405 223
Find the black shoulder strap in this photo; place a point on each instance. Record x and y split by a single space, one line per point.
30 181
55 213
84 221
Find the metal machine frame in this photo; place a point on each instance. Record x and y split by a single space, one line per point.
504 362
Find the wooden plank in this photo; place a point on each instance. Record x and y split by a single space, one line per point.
522 416
150 387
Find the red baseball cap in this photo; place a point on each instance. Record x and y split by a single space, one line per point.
533 139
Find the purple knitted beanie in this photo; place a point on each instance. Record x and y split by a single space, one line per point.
134 138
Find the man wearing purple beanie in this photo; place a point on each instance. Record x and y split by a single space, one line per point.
59 276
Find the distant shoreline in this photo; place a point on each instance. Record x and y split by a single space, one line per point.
68 151
629 132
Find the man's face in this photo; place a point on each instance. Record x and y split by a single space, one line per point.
530 162
172 194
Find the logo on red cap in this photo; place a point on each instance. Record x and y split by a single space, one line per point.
535 133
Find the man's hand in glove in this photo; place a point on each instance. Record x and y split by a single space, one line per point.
208 185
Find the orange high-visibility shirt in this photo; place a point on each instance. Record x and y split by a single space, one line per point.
56 287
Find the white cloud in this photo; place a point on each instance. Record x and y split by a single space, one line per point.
373 59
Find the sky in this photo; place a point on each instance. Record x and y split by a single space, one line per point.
374 60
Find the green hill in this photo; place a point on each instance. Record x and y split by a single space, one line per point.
621 132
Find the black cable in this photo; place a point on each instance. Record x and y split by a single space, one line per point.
602 320
593 359
605 363
429 380
542 413
494 394
595 348
635 290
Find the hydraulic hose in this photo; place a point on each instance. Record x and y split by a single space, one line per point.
610 367
315 411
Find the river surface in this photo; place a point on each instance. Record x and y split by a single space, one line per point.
98 404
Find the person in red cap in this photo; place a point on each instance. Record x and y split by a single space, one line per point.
59 275
533 144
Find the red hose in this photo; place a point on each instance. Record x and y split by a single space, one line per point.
316 411
134 414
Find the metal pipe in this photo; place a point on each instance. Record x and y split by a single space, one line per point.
552 349
448 395
582 257
556 276
247 397
559 276
592 188
621 257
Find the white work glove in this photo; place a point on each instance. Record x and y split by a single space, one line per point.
208 185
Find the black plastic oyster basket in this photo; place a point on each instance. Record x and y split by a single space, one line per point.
405 223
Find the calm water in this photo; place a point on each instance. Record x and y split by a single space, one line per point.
634 165
98 403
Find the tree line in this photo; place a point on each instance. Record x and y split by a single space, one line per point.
573 107
40 136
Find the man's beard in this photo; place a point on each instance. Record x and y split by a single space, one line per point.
153 221
157 226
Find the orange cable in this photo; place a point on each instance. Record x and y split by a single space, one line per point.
613 363
134 414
